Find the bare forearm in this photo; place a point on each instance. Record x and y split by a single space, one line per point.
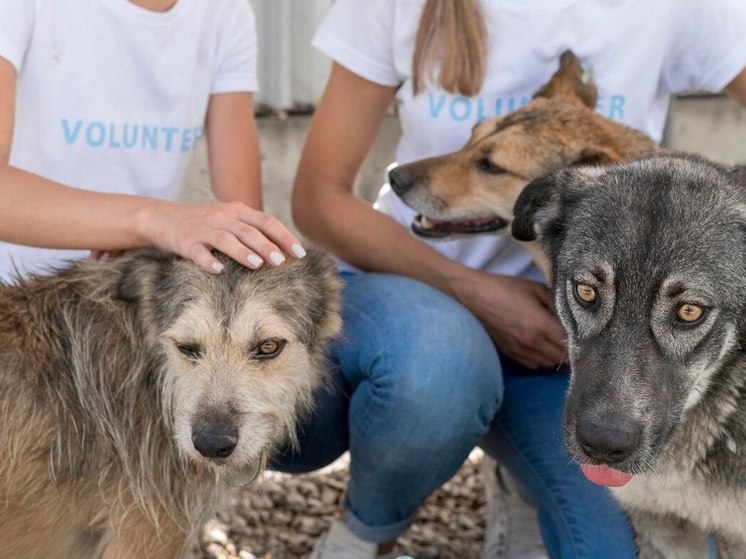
233 149
324 206
39 212
371 240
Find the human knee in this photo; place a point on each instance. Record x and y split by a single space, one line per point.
425 356
448 394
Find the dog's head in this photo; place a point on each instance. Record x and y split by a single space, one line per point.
242 352
649 265
473 190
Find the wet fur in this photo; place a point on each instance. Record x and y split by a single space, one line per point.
557 128
97 402
649 236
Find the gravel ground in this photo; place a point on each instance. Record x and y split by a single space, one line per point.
280 517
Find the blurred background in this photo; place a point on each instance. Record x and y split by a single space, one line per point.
292 76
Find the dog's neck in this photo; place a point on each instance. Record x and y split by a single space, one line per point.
540 259
709 427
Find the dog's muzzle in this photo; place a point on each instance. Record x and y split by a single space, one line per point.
400 180
215 441
441 229
612 441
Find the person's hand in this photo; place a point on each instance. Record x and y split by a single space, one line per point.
248 236
518 315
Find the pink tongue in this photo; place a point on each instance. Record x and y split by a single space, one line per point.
603 475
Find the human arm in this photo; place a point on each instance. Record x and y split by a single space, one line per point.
39 212
235 166
515 312
233 149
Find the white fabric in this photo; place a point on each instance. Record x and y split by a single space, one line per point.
112 97
640 52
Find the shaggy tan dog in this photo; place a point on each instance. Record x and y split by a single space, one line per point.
134 393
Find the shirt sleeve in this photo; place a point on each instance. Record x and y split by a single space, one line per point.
708 45
237 51
359 35
16 25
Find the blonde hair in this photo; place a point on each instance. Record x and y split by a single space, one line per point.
451 32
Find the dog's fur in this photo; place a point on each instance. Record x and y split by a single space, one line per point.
112 375
654 394
473 190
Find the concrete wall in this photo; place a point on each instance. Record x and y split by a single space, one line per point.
712 126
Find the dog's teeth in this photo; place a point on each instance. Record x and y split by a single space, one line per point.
424 222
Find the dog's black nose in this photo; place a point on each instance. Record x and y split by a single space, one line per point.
216 442
400 179
612 441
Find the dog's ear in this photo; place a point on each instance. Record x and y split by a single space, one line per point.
598 155
539 209
156 286
572 81
537 196
138 273
327 308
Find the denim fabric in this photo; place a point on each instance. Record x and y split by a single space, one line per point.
417 385
577 518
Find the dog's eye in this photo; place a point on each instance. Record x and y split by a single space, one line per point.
189 350
585 294
690 313
269 348
485 165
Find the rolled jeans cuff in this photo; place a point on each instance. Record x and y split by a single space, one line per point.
375 534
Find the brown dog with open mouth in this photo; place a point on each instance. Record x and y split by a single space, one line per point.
473 190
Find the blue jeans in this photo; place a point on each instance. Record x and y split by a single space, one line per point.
417 387
576 517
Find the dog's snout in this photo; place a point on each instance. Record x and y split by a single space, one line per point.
401 179
612 441
215 441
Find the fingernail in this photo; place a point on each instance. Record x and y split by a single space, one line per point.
298 251
218 267
255 261
276 258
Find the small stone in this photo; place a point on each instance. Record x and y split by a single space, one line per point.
329 496
296 503
308 489
465 523
309 526
215 532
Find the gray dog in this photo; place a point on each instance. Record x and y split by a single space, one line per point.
649 261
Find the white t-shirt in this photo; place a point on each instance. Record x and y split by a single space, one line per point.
639 51
112 97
